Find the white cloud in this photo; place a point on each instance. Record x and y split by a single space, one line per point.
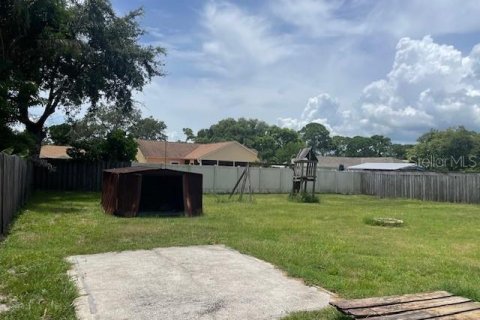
429 86
320 18
317 17
237 41
418 17
264 59
321 109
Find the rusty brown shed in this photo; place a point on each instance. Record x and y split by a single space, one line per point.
133 190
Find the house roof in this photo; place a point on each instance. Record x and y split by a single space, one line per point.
334 162
149 170
181 150
385 166
204 149
156 149
54 152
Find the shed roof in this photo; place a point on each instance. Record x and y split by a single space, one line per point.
334 162
385 166
54 152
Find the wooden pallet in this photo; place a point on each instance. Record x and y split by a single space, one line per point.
439 305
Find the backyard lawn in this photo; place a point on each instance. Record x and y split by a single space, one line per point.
326 244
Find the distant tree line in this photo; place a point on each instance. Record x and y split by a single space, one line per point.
453 149
279 145
110 134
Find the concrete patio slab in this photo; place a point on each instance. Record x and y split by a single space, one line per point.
199 282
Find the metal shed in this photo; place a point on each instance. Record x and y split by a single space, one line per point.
386 167
133 190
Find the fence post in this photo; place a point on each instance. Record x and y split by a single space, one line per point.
2 157
214 179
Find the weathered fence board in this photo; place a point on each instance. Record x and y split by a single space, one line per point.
73 175
15 186
449 187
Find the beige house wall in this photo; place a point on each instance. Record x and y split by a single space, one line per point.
233 152
139 157
162 160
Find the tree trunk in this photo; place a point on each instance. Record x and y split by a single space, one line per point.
38 134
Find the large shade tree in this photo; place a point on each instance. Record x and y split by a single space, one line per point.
65 54
92 136
317 137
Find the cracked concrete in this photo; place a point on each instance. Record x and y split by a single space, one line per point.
198 282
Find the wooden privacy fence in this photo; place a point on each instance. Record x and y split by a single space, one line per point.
73 175
15 186
451 187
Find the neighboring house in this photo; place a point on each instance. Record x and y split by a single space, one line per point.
230 153
386 167
333 163
54 152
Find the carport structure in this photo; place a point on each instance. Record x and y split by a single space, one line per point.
133 190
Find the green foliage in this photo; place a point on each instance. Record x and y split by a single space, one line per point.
305 197
358 146
380 146
340 144
119 146
59 53
60 134
454 149
400 151
328 313
20 143
274 144
189 135
316 136
106 119
242 130
148 129
89 135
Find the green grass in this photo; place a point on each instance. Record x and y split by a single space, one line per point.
327 244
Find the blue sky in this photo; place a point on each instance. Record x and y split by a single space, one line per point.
359 67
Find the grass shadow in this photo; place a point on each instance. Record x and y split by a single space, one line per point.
328 313
161 214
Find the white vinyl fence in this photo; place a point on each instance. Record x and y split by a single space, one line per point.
219 179
450 187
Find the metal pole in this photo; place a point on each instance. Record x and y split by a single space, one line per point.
165 155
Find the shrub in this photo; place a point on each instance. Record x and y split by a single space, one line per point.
304 197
